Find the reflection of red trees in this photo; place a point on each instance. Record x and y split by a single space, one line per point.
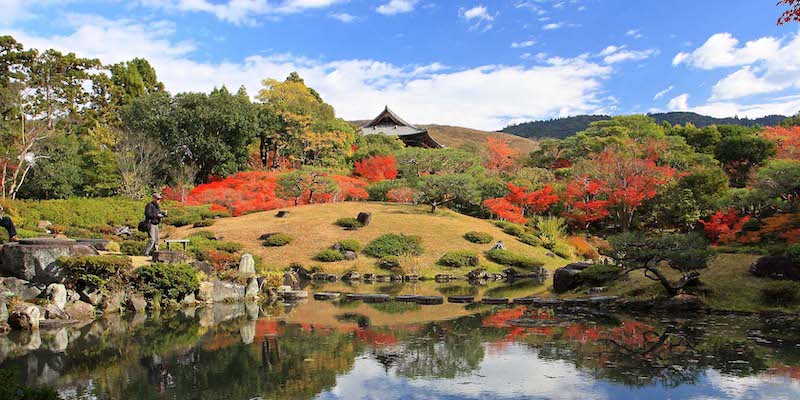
375 339
500 319
789 371
267 327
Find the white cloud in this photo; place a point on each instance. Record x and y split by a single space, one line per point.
344 17
484 97
634 33
720 50
611 50
679 103
240 11
629 55
745 82
663 92
479 15
397 7
552 26
521 45
18 10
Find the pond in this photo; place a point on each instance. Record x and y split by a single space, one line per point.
353 350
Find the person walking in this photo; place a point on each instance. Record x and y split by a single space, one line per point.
6 222
153 215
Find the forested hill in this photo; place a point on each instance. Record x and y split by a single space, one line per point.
563 127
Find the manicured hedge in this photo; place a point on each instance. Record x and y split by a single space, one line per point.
478 237
460 259
277 240
350 245
329 255
93 270
599 274
393 244
167 281
511 259
348 223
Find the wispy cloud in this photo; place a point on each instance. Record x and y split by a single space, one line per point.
663 92
394 7
521 45
479 16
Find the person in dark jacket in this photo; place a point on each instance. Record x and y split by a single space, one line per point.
6 222
153 215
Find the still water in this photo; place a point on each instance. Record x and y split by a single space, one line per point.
352 350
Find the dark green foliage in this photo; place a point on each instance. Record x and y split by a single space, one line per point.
202 234
511 259
93 270
793 253
460 259
350 245
395 307
478 237
781 293
77 212
60 175
532 240
348 223
390 263
393 244
514 229
329 255
600 274
684 252
229 247
277 240
11 390
167 281
204 223
132 247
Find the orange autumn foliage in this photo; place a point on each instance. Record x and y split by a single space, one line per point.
500 155
787 140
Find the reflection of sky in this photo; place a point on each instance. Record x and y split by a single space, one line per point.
516 372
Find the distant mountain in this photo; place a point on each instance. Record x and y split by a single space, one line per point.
564 127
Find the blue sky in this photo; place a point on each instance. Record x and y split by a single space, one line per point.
481 64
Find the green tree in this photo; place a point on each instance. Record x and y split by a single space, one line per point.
706 185
780 179
740 153
437 190
58 175
306 182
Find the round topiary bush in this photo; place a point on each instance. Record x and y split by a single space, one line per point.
599 274
349 245
393 244
460 259
505 257
132 247
478 237
203 223
277 240
329 255
348 223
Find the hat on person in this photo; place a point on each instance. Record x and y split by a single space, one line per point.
157 196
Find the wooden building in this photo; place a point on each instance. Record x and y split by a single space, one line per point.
388 123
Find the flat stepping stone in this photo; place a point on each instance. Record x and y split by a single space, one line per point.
494 300
430 300
354 296
603 299
406 298
526 300
461 299
377 298
326 295
576 302
294 294
538 301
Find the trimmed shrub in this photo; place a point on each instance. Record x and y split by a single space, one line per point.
511 228
228 247
390 263
562 250
348 223
599 274
277 240
113 247
132 247
168 281
552 227
793 253
530 239
93 270
350 245
478 237
202 234
460 259
204 223
780 293
511 259
393 244
329 255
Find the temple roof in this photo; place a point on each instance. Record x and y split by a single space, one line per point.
389 123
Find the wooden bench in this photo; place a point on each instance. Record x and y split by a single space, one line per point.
169 243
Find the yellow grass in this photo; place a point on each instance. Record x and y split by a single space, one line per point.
454 136
313 230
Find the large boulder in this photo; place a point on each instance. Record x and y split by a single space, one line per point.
247 265
227 291
80 310
3 310
169 257
203 266
25 317
20 288
776 267
99 244
114 302
364 218
57 294
205 292
51 311
252 289
683 303
35 260
568 277
136 303
301 272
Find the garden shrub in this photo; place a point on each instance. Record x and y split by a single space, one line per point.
530 239
203 223
348 223
393 244
132 247
511 259
752 225
329 255
599 274
277 240
460 259
390 263
113 247
168 281
77 212
554 228
205 234
350 245
93 270
583 248
81 233
182 220
478 237
562 250
228 247
511 228
780 293
793 253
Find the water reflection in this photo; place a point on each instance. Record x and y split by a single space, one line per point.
320 350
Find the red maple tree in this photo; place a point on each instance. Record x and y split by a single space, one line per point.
584 204
792 14
500 155
504 209
787 140
377 168
722 227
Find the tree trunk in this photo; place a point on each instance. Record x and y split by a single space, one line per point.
433 207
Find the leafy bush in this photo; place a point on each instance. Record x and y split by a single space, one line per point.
511 259
228 247
460 259
348 223
329 255
77 212
393 244
599 274
202 234
562 250
478 237
583 248
530 239
204 223
93 270
390 263
277 240
168 281
132 247
113 247
180 215
780 293
182 220
553 228
511 228
793 253
350 245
